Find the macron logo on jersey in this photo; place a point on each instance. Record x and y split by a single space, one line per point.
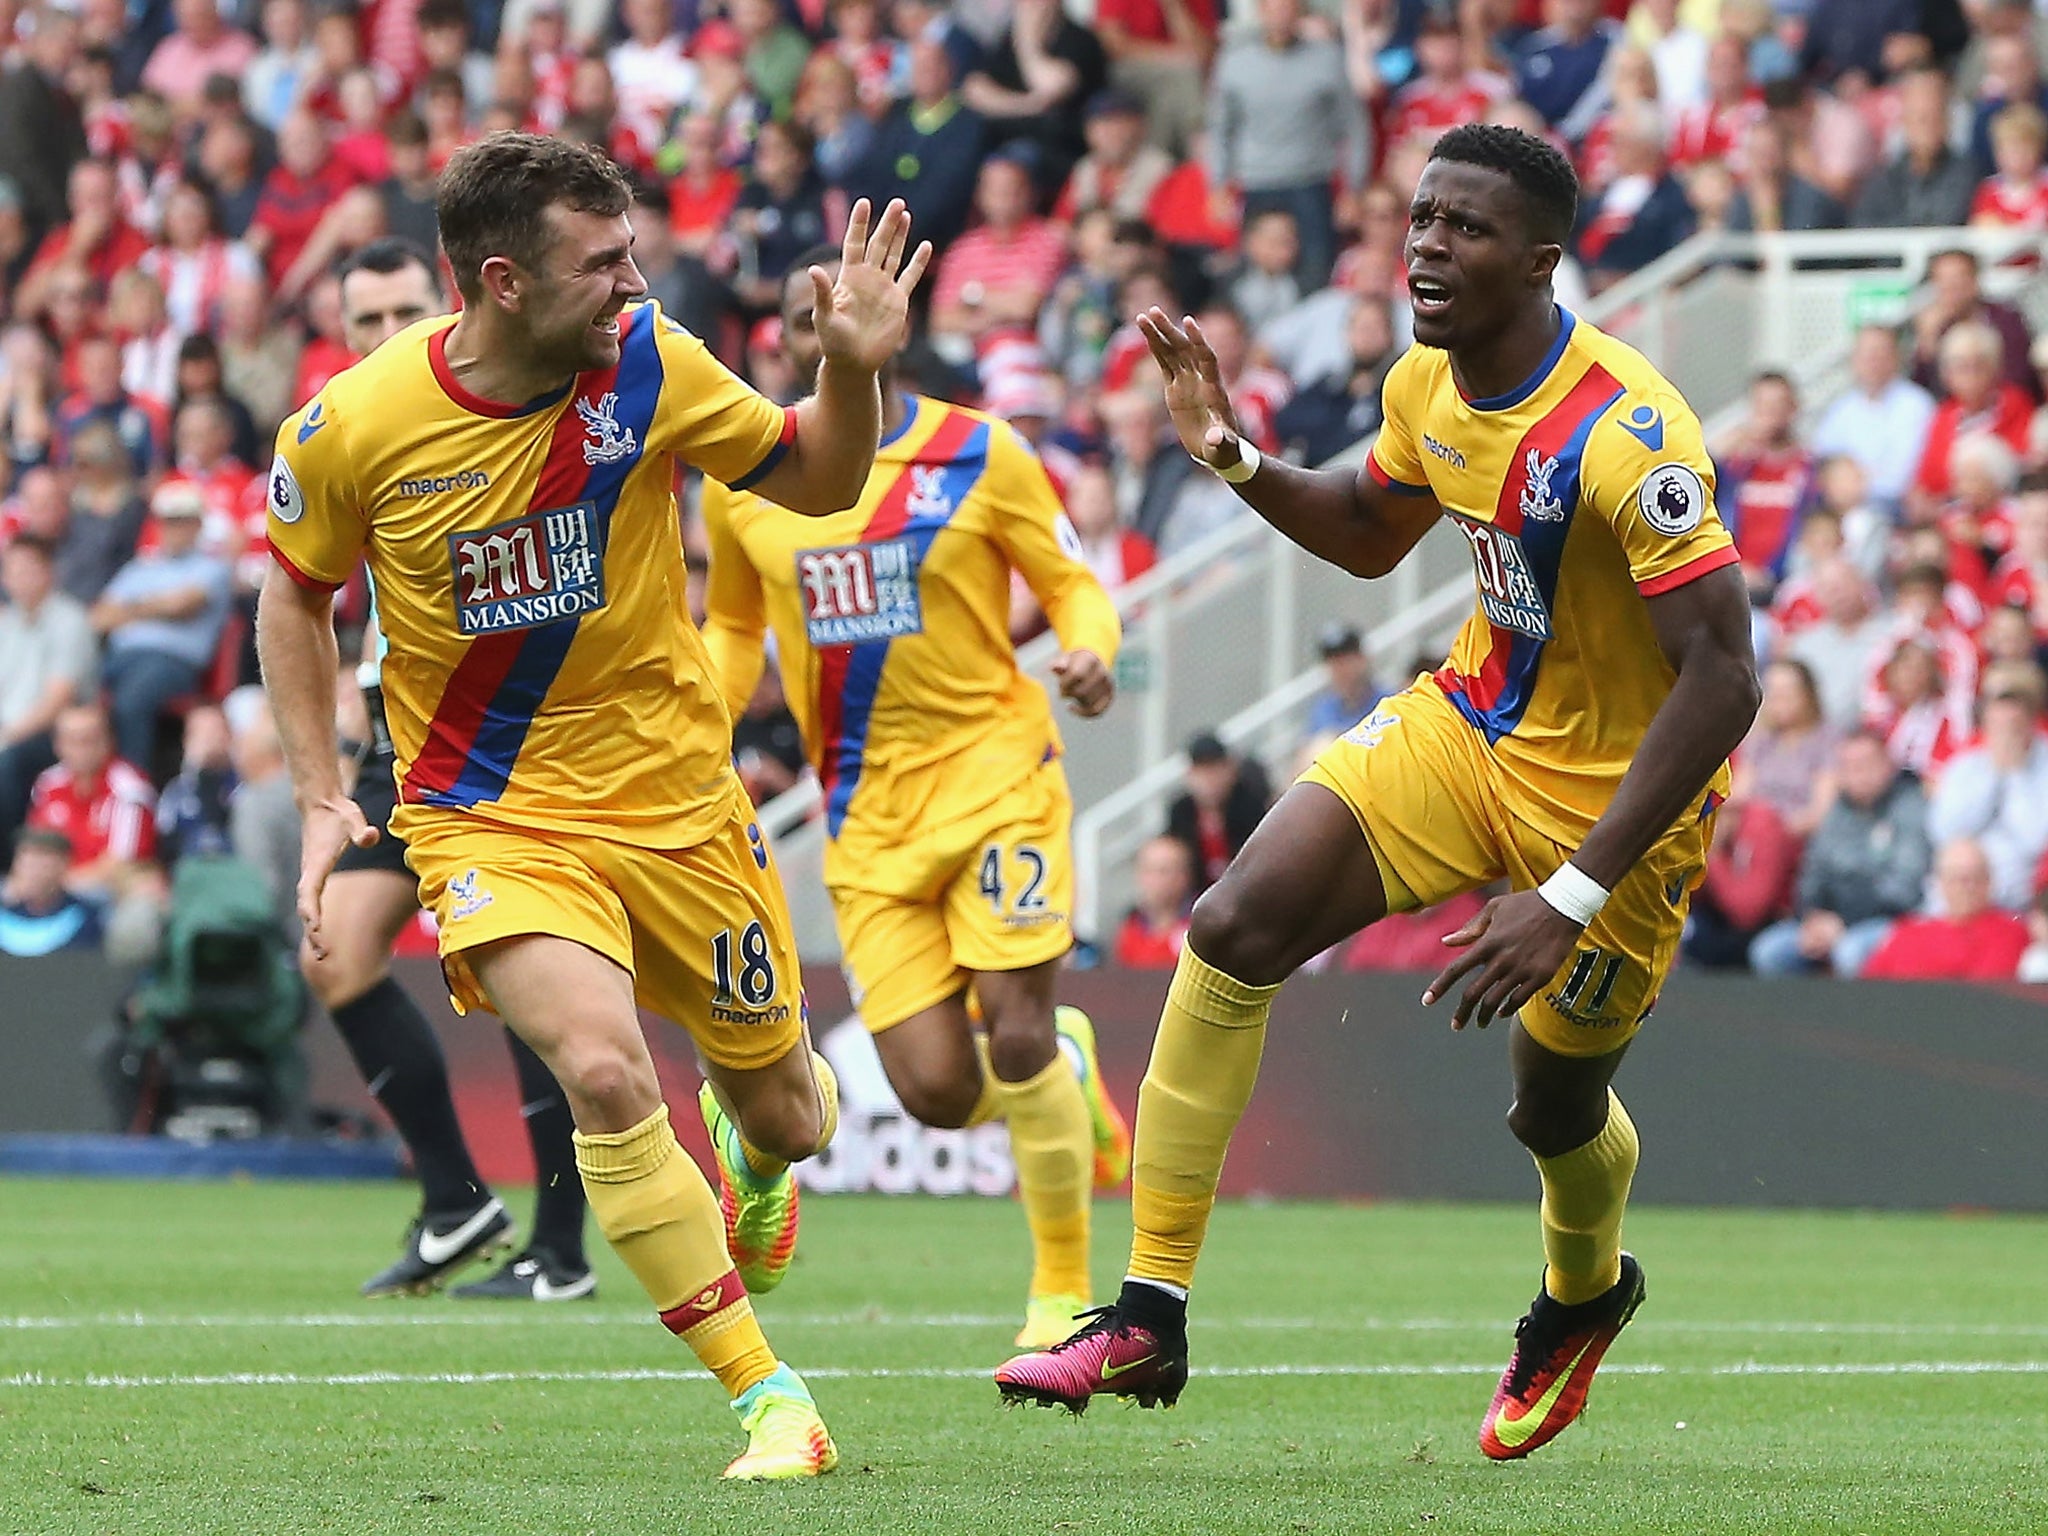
860 592
538 569
438 485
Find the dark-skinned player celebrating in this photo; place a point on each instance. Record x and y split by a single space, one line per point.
1575 745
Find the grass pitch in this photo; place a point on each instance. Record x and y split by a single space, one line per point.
192 1358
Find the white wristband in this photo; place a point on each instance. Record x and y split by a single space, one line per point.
1574 893
1245 467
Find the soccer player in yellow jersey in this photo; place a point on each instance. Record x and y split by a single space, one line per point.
1575 745
563 763
946 808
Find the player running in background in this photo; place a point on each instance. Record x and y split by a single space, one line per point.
387 286
1575 744
566 789
947 811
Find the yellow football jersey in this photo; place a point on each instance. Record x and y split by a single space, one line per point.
1582 492
891 619
542 667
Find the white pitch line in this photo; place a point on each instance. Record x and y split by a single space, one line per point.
947 1373
433 1315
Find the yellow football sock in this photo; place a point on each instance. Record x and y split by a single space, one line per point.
1585 1192
1205 1060
990 1105
1053 1145
654 1208
769 1168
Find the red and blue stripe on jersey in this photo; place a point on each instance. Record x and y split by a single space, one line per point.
474 739
1494 698
850 676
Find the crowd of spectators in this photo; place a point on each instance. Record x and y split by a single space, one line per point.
178 179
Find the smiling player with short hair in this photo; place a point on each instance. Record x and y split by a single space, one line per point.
1575 745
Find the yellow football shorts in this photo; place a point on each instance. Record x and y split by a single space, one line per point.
1441 819
992 891
704 931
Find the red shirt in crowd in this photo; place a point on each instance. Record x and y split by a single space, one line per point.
2009 205
1410 941
1708 130
1142 946
1755 864
114 814
2007 414
1423 109
1986 947
291 206
1031 256
1181 210
2015 584
1770 491
121 247
1144 21
320 360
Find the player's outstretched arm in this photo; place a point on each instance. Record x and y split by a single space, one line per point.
863 320
1339 515
1517 942
301 659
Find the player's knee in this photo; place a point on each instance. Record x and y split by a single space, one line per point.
608 1077
1022 1041
945 1103
1231 936
336 978
1551 1124
788 1126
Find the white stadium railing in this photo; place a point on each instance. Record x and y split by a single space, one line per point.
1222 635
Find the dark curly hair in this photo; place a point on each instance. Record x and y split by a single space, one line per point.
493 193
1545 178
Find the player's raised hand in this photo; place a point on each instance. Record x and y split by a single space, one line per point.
1515 943
863 316
1195 396
1084 681
325 829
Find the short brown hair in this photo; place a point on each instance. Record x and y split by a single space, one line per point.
492 193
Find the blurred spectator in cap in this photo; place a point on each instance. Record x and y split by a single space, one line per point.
201 46
48 659
768 364
926 149
1930 182
1352 691
38 916
1161 51
1156 927
999 274
1284 124
1216 814
42 133
1034 82
161 619
1118 169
